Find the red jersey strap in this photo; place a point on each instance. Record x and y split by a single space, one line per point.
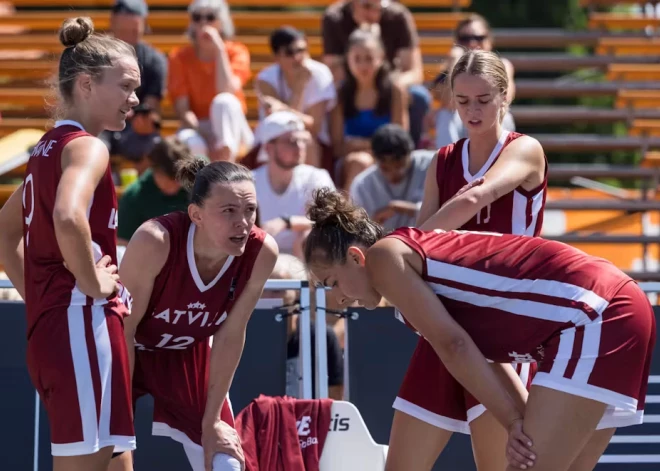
411 236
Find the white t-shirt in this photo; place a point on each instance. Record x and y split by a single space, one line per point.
294 200
319 88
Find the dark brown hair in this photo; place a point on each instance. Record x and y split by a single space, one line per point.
86 53
198 176
383 78
166 153
471 18
338 224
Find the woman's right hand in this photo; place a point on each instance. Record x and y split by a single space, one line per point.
106 280
518 448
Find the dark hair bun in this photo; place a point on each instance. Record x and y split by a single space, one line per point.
331 207
76 30
186 170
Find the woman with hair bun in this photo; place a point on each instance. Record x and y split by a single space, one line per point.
195 277
58 246
510 199
483 299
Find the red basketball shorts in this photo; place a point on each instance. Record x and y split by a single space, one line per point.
607 359
431 394
178 382
78 363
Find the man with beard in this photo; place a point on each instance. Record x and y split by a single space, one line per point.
285 184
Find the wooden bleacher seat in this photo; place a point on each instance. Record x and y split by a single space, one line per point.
534 88
595 143
649 46
607 3
11 125
535 114
621 21
638 72
651 160
638 99
258 45
645 127
233 4
178 21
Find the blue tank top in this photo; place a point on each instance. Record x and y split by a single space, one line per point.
364 123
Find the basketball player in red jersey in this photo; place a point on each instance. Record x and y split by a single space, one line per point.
513 167
504 297
193 277
59 250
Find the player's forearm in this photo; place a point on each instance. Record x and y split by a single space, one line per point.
11 258
74 238
468 365
511 381
456 212
225 356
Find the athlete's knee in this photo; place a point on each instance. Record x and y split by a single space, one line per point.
223 462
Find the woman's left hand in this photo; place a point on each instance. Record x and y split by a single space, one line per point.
221 438
518 448
209 33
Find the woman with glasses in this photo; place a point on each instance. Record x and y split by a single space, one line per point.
471 33
206 80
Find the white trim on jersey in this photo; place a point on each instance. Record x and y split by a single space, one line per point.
190 253
465 155
490 281
431 418
69 122
96 430
519 213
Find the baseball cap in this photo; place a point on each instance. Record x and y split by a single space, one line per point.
132 7
277 124
273 126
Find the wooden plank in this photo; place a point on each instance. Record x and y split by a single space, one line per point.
645 127
179 20
629 46
232 3
607 3
588 143
11 125
609 21
638 99
638 72
534 114
258 45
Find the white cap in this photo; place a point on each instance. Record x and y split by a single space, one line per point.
276 125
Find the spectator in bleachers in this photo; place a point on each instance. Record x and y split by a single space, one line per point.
127 22
368 98
285 184
299 84
401 43
471 33
392 190
206 83
156 192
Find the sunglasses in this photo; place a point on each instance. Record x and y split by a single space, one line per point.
293 51
208 17
466 38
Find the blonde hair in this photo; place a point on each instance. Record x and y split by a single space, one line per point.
484 64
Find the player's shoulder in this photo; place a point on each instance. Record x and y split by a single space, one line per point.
524 147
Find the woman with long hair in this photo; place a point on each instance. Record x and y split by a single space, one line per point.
368 98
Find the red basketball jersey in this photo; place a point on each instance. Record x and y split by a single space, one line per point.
48 284
182 309
518 212
512 293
